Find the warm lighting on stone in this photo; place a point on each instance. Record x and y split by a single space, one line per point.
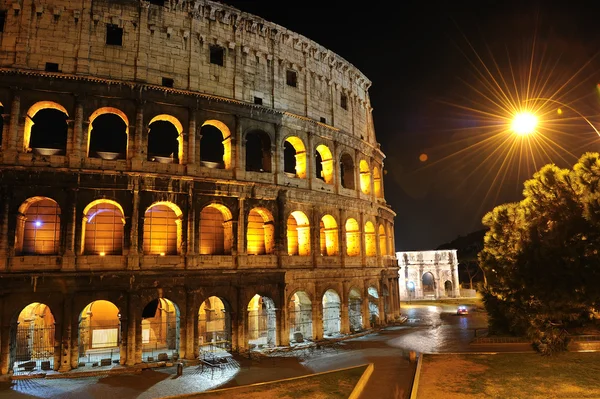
298 234
227 148
329 236
300 156
326 163
35 108
365 177
352 238
261 232
102 253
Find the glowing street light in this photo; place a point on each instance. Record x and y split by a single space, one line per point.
524 123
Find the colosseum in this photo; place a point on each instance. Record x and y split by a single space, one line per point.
180 177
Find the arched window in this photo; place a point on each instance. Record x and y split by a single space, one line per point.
365 177
294 157
258 151
46 128
216 230
38 227
215 145
347 171
162 229
382 241
298 234
165 139
103 223
328 234
324 164
352 238
107 135
370 240
260 235
377 182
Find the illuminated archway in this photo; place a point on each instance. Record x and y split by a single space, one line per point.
448 288
298 234
300 317
160 331
324 164
428 284
165 139
99 333
370 240
216 230
214 326
262 323
365 177
50 133
33 341
215 146
260 235
347 171
377 182
373 297
162 229
258 151
355 310
332 315
102 228
108 130
38 227
352 237
294 157
328 236
382 241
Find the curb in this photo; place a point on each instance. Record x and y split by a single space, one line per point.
362 382
415 385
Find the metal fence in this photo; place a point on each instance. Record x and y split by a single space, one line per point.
262 326
331 318
34 349
300 323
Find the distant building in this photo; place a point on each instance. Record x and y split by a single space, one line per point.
428 274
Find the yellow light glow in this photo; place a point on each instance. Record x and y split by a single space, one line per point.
559 111
162 254
524 123
102 253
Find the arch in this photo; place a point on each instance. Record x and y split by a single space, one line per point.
108 140
214 326
216 230
161 148
373 297
300 317
448 290
262 322
355 310
51 130
428 284
324 164
102 228
370 240
162 229
328 235
332 315
99 333
260 234
352 237
383 249
298 234
258 151
347 171
294 157
38 227
377 183
210 150
365 177
33 341
160 330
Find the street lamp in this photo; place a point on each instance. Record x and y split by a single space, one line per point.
524 123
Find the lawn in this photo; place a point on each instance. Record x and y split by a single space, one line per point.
510 375
331 385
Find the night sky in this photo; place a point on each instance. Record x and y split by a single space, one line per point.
445 75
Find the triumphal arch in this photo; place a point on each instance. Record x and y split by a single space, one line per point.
428 274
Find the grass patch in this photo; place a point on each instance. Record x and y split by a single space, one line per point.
333 385
510 375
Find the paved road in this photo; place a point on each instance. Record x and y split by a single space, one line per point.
428 329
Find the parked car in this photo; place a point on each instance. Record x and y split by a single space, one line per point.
462 309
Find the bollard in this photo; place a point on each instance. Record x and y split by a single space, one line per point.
179 369
412 356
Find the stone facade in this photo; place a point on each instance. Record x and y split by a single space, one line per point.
257 240
428 274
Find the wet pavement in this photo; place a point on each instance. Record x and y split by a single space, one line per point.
429 328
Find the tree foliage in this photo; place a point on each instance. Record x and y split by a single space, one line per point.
541 257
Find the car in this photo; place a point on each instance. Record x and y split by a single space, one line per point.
462 309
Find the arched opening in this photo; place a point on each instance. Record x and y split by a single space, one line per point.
165 139
347 171
294 157
260 235
328 235
162 229
215 145
324 164
107 135
373 297
428 285
102 226
258 151
298 234
448 288
382 241
300 317
99 334
352 238
370 240
332 315
38 227
216 230
33 342
160 331
262 323
46 128
377 182
355 310
410 290
214 328
365 177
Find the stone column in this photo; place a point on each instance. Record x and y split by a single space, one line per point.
139 140
5 130
191 225
10 151
134 331
363 239
337 178
283 327
241 236
76 152
5 347
191 327
310 160
193 153
344 314
4 249
317 319
240 321
238 156
135 217
366 313
66 336
342 244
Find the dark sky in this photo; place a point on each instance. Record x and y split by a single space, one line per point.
445 75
